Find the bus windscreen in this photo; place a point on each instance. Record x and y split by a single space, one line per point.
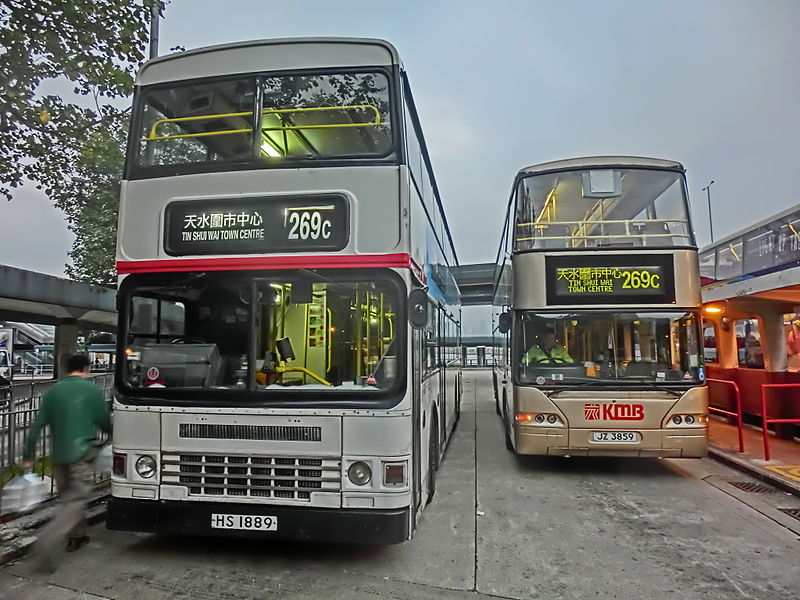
603 346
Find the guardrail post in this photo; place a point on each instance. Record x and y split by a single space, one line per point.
738 414
764 430
12 430
739 423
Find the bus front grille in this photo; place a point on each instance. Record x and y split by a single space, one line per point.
277 477
267 433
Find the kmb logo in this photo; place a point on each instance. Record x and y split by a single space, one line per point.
613 412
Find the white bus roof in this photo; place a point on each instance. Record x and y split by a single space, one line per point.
257 56
601 161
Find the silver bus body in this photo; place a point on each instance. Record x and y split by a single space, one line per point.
261 468
649 398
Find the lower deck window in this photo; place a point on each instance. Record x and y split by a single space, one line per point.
300 331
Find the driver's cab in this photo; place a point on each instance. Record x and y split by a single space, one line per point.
545 356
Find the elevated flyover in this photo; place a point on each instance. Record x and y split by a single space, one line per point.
27 296
476 283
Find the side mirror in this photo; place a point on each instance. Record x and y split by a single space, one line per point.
504 322
418 308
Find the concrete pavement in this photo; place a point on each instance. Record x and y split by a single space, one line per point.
541 528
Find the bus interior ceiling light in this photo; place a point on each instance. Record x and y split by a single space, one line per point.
270 150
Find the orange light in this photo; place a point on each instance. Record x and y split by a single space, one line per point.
713 309
128 350
524 417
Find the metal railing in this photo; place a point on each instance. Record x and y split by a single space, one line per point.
19 404
737 414
765 421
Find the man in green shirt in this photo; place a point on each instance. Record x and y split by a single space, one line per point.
74 409
547 352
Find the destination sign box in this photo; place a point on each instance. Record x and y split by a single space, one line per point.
256 225
622 279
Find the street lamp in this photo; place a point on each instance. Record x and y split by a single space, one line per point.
155 15
707 190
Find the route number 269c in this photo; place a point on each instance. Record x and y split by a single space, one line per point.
640 279
308 224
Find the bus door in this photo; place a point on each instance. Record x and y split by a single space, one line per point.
442 358
417 351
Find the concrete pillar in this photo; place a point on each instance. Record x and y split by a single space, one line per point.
727 348
66 343
773 339
725 334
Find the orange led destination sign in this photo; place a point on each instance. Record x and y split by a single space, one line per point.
610 279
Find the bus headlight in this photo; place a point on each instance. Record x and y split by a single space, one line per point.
689 420
537 419
359 473
146 466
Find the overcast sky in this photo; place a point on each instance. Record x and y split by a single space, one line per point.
500 85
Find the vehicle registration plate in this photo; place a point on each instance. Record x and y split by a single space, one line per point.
616 437
247 522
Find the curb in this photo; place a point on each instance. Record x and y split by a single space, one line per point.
18 545
741 464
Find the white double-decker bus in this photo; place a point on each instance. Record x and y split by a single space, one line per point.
598 312
288 320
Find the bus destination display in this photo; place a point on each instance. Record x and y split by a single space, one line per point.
610 279
256 225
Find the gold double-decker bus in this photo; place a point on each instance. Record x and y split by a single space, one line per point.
597 312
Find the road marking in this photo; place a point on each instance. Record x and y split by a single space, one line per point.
789 471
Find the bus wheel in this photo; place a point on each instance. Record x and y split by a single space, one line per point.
433 448
458 403
506 424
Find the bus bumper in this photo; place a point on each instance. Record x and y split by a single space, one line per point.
661 443
294 523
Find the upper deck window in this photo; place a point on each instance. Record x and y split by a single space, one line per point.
269 120
199 123
602 208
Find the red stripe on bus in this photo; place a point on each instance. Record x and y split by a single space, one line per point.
241 263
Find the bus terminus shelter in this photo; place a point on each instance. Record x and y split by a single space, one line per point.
751 298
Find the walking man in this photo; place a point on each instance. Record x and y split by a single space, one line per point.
74 408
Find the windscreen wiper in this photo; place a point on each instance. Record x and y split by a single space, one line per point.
597 381
660 387
581 384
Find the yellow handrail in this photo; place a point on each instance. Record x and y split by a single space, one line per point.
604 221
282 369
596 237
152 137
